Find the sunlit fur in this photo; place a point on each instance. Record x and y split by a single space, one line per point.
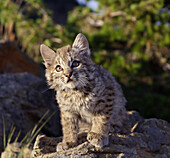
64 57
91 95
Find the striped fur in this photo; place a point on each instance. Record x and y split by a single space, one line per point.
90 95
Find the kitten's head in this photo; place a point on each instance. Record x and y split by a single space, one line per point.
68 67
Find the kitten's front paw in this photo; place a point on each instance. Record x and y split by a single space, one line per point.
97 140
65 146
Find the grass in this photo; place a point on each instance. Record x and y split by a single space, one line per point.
29 137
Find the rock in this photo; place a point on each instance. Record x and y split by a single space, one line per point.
24 99
12 60
149 138
14 150
134 117
156 132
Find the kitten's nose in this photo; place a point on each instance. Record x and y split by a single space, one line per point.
68 74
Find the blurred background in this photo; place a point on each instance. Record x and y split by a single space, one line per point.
130 38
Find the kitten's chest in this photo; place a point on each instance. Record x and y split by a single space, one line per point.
76 102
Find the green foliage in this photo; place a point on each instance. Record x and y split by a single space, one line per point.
128 27
32 25
129 38
150 97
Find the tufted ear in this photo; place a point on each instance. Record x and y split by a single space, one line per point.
81 43
47 55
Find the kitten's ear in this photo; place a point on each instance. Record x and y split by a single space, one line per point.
81 43
47 54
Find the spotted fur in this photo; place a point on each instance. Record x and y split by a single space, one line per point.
86 93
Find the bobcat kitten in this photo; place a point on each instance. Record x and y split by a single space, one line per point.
85 93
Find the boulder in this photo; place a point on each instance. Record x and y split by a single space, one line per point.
12 60
15 150
24 99
149 138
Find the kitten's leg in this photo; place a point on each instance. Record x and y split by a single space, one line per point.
98 136
70 131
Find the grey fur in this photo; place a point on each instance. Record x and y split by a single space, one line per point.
91 95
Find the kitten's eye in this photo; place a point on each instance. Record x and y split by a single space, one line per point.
59 68
75 63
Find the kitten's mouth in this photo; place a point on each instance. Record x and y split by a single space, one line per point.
69 80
